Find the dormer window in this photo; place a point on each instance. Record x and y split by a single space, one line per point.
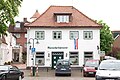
62 17
17 24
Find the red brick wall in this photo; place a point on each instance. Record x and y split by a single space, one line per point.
22 40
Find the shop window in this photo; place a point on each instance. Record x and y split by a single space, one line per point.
74 58
87 56
40 58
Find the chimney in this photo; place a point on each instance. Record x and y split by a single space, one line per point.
25 20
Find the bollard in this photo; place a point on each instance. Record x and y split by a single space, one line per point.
31 71
37 70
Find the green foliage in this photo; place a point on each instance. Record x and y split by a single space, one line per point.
118 55
106 37
8 10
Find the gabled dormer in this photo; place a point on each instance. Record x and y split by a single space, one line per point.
17 24
63 17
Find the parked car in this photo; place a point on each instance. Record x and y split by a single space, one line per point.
108 70
109 57
90 67
9 72
63 67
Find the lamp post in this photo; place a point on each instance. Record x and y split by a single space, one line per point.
33 53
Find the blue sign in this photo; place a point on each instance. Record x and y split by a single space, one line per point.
33 50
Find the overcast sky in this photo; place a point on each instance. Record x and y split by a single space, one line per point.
106 10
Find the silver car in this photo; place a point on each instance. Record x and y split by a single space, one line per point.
108 70
63 67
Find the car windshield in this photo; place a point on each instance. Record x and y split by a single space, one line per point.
110 66
63 62
91 63
3 68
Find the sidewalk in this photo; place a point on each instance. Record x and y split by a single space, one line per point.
20 65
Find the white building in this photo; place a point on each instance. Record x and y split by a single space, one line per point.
62 32
6 44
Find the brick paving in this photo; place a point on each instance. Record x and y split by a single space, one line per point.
48 74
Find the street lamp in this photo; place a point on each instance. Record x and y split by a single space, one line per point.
33 52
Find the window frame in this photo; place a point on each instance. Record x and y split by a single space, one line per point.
41 56
74 32
25 35
40 36
57 32
74 55
88 35
62 18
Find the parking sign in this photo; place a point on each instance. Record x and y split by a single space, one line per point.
33 50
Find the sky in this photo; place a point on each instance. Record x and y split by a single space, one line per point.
106 10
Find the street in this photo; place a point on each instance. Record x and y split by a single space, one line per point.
43 74
57 78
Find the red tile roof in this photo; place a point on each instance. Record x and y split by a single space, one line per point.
78 18
36 14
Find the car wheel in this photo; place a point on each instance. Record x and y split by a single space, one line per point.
20 78
69 74
85 75
3 78
56 74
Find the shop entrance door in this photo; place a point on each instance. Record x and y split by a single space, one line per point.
55 57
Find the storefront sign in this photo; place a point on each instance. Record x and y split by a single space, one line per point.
57 47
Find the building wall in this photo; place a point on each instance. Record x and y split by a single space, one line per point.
116 42
22 40
66 43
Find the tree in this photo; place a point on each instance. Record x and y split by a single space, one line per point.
106 37
8 10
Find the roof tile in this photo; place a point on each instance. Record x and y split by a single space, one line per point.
78 18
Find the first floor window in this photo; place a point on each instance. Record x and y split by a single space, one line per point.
74 58
88 35
74 35
40 58
57 35
40 35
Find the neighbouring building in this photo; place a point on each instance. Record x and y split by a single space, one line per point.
20 32
62 32
6 45
115 46
116 36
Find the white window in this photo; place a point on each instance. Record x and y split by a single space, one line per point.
25 35
17 24
74 35
62 18
40 35
57 35
17 35
88 35
25 45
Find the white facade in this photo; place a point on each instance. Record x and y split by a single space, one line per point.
65 45
6 48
